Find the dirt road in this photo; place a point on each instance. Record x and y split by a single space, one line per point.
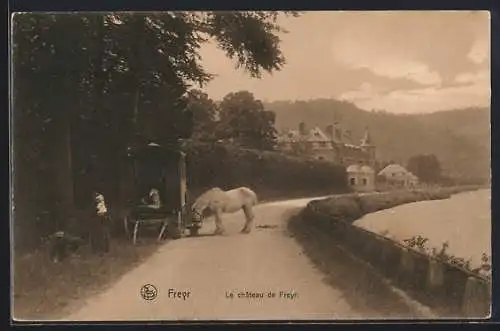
208 277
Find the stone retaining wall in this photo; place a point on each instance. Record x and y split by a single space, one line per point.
433 282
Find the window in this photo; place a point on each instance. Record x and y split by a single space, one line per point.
364 181
352 181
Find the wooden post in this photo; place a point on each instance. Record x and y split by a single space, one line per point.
162 231
136 228
406 266
476 299
435 275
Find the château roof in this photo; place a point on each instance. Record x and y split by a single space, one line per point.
317 135
314 135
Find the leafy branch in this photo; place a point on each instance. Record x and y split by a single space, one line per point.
419 243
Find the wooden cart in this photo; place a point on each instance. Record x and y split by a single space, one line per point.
164 169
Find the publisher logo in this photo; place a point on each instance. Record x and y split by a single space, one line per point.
149 292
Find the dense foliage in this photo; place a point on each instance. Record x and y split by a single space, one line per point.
426 167
220 165
87 85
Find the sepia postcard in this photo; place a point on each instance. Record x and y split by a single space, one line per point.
250 166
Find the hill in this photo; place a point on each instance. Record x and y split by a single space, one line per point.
460 138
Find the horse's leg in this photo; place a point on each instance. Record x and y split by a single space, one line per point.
249 216
219 228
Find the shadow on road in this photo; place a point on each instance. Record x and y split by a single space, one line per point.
364 290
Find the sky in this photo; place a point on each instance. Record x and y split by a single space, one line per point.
401 62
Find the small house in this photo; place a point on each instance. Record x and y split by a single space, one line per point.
361 178
397 175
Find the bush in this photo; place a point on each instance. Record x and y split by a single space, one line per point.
339 208
351 207
210 165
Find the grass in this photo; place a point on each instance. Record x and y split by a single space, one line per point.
44 290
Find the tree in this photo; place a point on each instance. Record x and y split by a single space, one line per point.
204 112
245 120
426 167
83 79
48 78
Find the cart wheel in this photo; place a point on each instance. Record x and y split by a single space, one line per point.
174 232
193 231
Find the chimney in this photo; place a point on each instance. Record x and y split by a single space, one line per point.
330 132
302 128
347 136
367 140
337 131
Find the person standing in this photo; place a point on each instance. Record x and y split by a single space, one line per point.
99 229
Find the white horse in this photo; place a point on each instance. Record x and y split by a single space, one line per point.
215 202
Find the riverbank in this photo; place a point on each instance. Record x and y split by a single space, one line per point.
459 227
435 280
353 208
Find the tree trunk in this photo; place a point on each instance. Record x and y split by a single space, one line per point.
137 69
62 167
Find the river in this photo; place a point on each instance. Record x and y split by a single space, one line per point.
464 221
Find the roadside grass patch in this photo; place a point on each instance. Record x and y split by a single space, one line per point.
45 290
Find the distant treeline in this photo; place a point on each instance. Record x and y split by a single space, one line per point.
460 138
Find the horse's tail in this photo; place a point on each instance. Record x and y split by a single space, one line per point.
255 199
253 195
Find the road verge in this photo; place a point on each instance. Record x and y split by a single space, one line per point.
450 290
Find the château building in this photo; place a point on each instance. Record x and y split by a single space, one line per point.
333 145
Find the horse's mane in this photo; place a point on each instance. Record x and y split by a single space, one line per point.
204 199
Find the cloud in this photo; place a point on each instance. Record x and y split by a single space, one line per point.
366 91
479 52
358 55
481 78
468 93
393 60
